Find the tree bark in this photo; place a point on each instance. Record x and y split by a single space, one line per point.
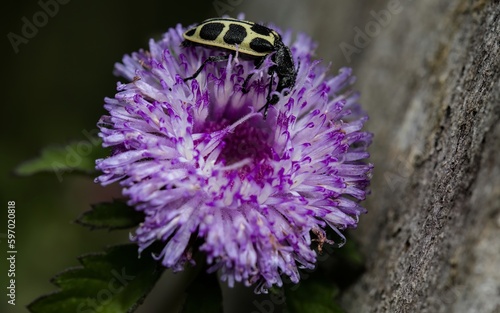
430 80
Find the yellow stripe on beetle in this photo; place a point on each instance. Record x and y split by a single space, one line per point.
246 37
250 39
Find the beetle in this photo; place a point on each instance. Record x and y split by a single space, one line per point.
251 40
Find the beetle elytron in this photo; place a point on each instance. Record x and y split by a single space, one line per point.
251 40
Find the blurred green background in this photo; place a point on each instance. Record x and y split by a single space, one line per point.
54 86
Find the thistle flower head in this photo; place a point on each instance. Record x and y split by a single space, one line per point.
212 174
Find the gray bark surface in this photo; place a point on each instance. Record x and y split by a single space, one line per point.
430 81
433 242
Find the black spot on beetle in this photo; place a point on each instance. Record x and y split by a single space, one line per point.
261 45
235 35
261 30
211 31
190 32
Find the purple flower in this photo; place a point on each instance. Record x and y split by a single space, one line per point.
211 174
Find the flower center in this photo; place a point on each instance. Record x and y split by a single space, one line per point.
246 141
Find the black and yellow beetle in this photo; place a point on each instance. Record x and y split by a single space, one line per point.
250 40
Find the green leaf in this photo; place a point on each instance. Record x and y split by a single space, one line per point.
313 295
111 215
115 281
204 295
78 157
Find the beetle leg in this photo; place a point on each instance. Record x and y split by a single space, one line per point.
211 59
269 101
245 83
258 63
